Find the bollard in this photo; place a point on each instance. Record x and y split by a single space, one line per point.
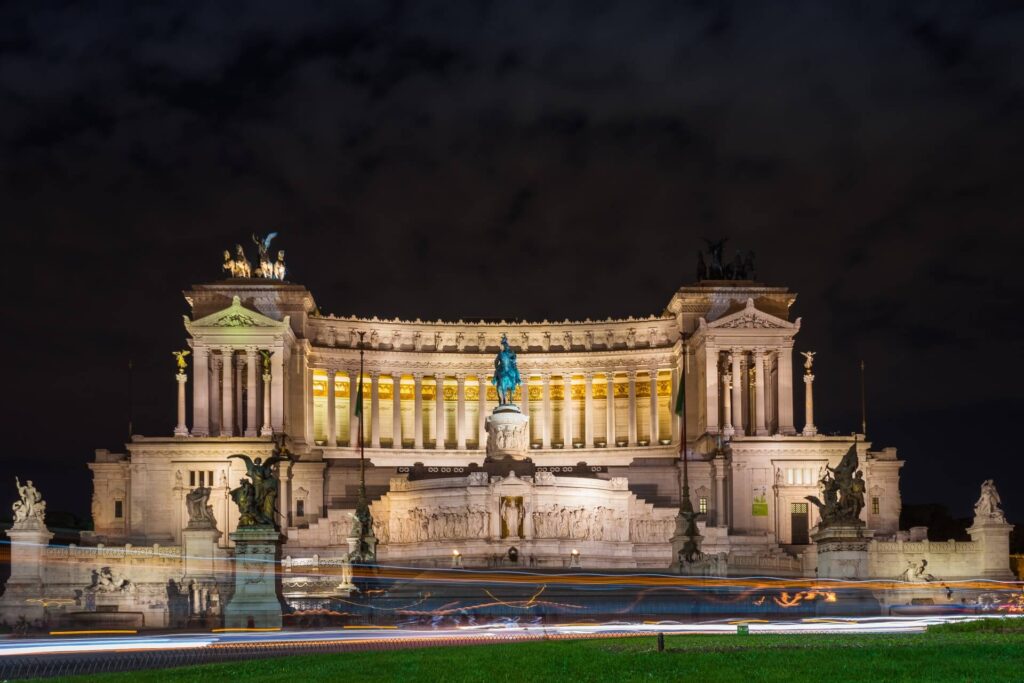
661 642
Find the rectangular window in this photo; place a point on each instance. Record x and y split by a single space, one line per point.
191 478
202 478
118 509
702 505
209 478
300 508
875 505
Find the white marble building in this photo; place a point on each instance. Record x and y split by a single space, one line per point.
599 393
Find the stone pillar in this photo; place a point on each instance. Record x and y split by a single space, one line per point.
239 424
759 393
809 428
525 404
785 398
201 391
396 410
567 410
417 411
721 509
588 410
652 436
215 394
673 418
308 401
728 428
481 412
711 383
610 409
992 534
256 602
546 417
266 429
353 384
277 391
181 429
227 398
375 409
632 407
439 416
28 558
737 391
251 390
460 412
332 409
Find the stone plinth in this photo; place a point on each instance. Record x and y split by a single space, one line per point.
257 601
993 535
507 433
28 548
200 553
842 551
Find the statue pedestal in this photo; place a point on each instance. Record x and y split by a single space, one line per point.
201 553
993 535
28 553
842 551
256 602
507 433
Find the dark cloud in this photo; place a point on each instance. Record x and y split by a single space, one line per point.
418 158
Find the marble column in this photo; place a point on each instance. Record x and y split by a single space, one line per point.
736 357
721 509
588 410
673 418
417 410
251 390
239 425
567 411
396 410
332 409
439 416
227 397
546 397
711 384
200 391
266 429
785 395
610 410
481 411
525 405
727 421
181 429
353 390
277 391
307 391
652 437
632 407
216 420
375 409
460 412
762 380
809 428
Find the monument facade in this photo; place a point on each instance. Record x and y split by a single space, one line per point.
498 443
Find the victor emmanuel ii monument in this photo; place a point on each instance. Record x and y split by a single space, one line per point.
548 444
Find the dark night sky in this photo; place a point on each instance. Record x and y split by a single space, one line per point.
524 159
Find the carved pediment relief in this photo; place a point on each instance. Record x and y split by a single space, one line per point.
235 315
749 317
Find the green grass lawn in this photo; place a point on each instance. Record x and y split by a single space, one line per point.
989 651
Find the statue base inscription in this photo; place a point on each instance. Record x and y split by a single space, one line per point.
507 433
257 601
842 551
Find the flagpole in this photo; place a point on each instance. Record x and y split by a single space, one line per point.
362 454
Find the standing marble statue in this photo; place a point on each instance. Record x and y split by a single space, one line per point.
29 509
512 515
987 506
506 373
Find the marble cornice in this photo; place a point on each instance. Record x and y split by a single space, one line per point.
473 362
